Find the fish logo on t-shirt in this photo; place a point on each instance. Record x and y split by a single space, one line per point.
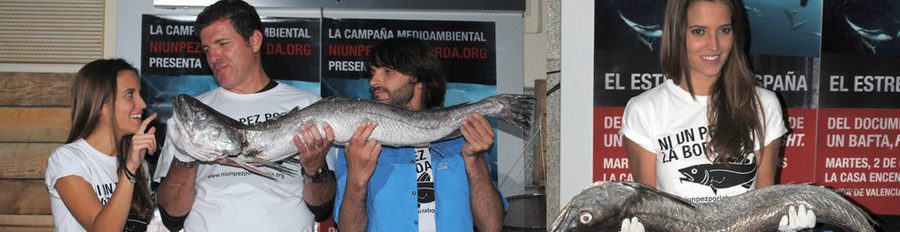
720 176
425 189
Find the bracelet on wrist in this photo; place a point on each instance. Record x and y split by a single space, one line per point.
130 176
320 175
183 164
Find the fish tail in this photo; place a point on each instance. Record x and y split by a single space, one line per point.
839 210
517 109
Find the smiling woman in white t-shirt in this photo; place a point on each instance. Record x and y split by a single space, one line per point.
708 132
95 180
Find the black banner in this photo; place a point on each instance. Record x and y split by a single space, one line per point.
630 74
793 78
860 81
467 50
171 47
291 48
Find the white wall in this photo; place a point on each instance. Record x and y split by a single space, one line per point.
535 42
576 104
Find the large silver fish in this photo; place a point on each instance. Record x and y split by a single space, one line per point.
603 205
208 135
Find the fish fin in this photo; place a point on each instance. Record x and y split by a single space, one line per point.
747 185
252 169
715 191
292 159
517 109
457 106
331 98
257 162
713 180
644 41
275 166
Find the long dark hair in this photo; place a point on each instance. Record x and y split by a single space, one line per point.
141 203
735 112
415 58
95 84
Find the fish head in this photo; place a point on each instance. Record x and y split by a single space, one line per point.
692 173
205 133
599 207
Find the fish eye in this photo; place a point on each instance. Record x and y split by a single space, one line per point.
585 217
201 115
693 171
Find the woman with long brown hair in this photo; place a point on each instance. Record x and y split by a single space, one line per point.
707 132
96 180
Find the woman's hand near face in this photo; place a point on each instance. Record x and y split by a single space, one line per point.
142 144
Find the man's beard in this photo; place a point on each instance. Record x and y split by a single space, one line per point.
399 97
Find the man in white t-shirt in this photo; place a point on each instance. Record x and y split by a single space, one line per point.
214 197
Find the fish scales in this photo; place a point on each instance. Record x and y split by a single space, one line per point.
394 127
769 204
603 206
270 141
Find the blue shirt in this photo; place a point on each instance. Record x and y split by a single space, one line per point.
391 199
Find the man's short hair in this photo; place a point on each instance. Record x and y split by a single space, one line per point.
417 59
243 17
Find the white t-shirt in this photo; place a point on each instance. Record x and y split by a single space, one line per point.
668 122
425 189
79 159
234 199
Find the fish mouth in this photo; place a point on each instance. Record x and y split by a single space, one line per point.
686 177
180 109
179 126
178 101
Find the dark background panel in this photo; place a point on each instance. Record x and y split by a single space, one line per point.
464 61
292 58
794 78
882 17
612 33
849 91
622 74
169 39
